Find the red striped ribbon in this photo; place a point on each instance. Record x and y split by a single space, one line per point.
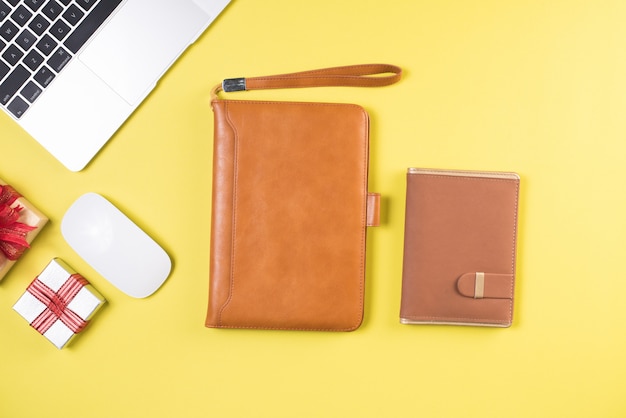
56 304
12 232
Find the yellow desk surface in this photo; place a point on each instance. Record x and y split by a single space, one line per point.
535 87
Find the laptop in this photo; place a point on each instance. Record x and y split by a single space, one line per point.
72 71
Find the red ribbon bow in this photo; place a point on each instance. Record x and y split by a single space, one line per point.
12 232
56 304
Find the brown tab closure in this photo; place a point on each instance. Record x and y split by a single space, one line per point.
373 209
479 285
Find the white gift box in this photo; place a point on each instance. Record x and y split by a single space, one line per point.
59 303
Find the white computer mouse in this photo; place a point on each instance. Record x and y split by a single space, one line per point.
114 246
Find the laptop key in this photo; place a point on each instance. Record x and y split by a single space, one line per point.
26 39
39 24
33 60
60 58
18 106
13 83
4 70
13 2
60 30
46 45
52 9
34 5
86 4
44 76
5 9
73 15
31 91
91 23
66 2
8 30
12 55
21 15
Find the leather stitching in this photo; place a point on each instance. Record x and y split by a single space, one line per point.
234 220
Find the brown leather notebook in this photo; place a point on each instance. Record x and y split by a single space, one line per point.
459 247
291 207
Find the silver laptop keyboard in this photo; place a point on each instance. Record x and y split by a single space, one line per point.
37 40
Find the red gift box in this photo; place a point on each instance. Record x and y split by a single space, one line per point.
20 222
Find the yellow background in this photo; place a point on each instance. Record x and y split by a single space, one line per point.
535 87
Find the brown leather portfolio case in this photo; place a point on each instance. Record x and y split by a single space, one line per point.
459 248
291 207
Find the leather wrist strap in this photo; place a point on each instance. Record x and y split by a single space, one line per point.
367 75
